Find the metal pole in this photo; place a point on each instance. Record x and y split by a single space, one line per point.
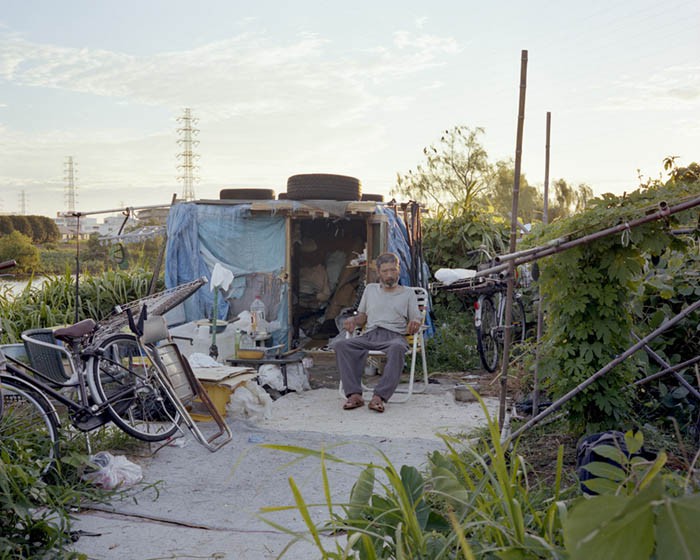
513 239
540 299
605 369
113 210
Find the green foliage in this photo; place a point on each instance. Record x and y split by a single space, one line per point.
18 246
639 512
473 501
589 296
500 194
568 200
53 303
455 242
481 501
35 520
40 229
453 348
669 286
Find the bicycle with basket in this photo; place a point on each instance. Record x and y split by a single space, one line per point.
115 376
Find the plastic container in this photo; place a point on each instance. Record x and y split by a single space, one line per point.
257 312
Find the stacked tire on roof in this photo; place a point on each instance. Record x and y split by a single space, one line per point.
307 186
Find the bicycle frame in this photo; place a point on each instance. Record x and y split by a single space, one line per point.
80 408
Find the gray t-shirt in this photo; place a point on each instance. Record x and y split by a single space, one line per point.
390 310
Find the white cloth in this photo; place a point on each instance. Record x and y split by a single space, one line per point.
221 277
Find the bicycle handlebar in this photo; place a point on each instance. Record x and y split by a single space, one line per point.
8 264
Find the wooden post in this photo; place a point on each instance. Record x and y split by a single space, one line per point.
540 308
513 238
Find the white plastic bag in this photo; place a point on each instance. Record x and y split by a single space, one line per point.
450 275
250 401
113 472
271 375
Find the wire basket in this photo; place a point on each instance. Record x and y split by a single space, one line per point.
156 304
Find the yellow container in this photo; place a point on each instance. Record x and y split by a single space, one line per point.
218 394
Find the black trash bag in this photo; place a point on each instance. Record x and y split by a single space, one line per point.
586 453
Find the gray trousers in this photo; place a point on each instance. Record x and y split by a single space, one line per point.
351 357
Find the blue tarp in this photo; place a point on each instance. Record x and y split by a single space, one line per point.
200 235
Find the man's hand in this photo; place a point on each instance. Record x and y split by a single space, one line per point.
413 327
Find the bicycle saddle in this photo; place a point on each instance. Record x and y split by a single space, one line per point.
78 330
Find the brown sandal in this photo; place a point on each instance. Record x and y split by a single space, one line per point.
354 401
376 404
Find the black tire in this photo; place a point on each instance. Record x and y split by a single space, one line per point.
246 194
487 335
124 378
282 196
373 197
29 425
518 321
323 186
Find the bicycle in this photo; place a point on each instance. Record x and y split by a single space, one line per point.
490 323
112 379
489 310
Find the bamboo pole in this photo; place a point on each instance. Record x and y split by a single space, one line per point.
677 367
540 299
663 363
546 250
513 239
605 369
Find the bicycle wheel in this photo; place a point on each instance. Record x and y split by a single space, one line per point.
487 334
518 321
29 427
123 378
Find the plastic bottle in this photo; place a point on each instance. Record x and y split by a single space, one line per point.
257 312
236 343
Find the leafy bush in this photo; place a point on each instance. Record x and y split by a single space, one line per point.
453 347
589 297
35 519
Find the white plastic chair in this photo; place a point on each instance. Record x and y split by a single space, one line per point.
416 344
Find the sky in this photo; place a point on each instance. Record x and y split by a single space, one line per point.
355 88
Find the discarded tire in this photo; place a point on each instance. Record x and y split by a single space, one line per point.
323 186
373 197
246 194
282 196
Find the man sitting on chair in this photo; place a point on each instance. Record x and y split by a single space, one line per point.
389 312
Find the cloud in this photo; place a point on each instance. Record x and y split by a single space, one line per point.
670 89
246 74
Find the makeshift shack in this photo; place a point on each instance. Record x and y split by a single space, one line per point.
306 259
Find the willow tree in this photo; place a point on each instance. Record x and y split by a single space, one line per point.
455 173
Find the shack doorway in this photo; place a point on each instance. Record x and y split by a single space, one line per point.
328 272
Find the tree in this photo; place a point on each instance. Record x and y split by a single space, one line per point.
455 173
21 224
19 247
569 200
500 194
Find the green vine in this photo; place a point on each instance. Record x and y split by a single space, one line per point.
589 293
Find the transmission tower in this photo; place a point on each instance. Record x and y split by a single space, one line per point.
23 202
187 157
70 190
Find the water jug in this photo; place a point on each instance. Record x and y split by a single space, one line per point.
257 312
